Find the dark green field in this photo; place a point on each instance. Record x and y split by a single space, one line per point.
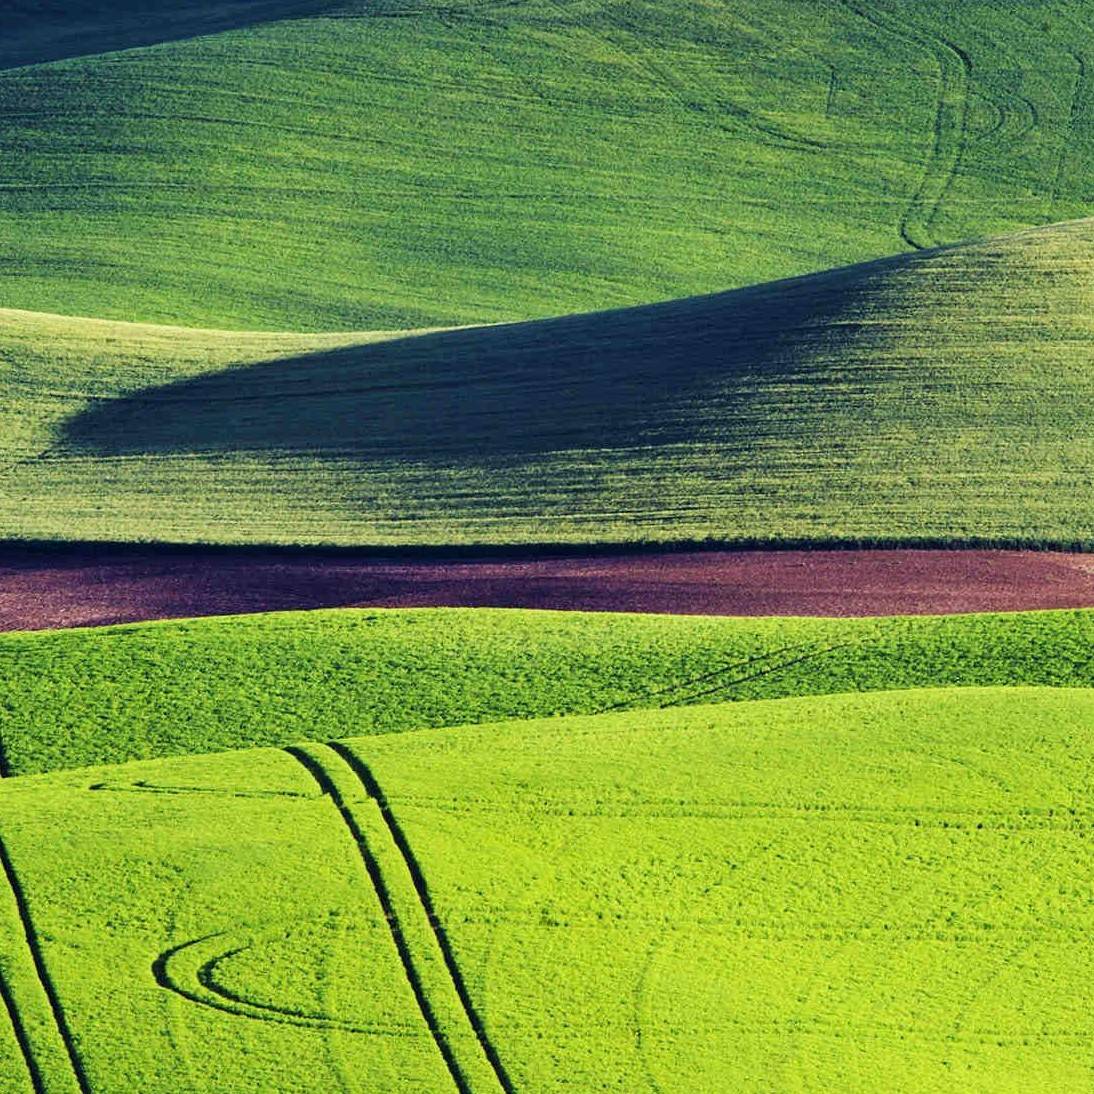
409 163
947 396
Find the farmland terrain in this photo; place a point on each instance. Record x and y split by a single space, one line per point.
107 695
808 892
945 396
377 164
88 585
774 314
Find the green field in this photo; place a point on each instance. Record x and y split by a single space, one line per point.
791 894
112 694
429 275
946 396
409 163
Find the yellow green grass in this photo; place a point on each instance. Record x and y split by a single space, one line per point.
796 894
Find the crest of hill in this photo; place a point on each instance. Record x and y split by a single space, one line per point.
946 396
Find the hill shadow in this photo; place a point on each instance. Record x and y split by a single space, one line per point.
683 371
40 31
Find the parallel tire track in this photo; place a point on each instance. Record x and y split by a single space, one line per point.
44 978
951 124
459 1070
372 868
368 781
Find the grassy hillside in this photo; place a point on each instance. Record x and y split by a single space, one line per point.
73 698
946 395
777 894
408 163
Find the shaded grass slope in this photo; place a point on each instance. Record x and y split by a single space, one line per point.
946 396
73 698
806 892
408 163
37 31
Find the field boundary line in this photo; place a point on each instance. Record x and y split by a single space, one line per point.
44 978
371 786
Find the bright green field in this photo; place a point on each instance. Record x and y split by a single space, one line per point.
946 396
107 695
408 163
794 894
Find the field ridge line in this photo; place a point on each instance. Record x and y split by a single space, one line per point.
372 787
44 978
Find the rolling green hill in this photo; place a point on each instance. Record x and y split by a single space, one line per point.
945 396
409 163
807 893
111 694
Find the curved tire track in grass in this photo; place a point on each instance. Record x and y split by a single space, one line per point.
190 971
1075 113
951 124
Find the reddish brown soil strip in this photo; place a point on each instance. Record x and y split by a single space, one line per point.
51 589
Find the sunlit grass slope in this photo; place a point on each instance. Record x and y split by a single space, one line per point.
772 895
408 163
73 698
947 396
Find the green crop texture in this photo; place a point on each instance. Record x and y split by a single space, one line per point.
107 695
535 273
791 894
946 396
408 163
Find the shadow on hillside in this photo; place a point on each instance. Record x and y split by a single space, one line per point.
39 31
683 371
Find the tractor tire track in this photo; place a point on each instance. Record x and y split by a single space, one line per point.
627 45
1075 113
44 978
142 786
458 1068
372 788
175 970
372 868
677 694
951 124
34 1072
